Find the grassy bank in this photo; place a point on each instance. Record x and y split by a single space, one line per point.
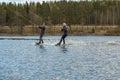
56 30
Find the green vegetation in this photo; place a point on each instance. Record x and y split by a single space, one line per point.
82 17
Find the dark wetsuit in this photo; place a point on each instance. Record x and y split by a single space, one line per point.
65 33
41 34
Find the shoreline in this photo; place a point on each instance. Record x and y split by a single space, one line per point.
60 35
74 30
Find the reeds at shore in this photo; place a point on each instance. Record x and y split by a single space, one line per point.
74 30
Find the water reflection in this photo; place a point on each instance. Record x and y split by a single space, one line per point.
64 49
42 47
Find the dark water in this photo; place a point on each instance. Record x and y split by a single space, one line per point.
82 58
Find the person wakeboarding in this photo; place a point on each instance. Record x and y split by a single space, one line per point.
42 32
65 33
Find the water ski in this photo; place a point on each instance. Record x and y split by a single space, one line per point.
63 44
60 45
38 43
57 44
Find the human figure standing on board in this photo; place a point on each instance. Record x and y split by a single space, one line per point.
65 33
42 32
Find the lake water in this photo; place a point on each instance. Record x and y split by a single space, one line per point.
82 58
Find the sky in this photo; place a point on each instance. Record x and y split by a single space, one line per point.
23 1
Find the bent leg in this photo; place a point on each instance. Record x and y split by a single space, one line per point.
64 39
60 40
41 41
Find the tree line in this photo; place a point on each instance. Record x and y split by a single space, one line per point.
94 12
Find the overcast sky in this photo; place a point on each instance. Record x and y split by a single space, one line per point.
23 1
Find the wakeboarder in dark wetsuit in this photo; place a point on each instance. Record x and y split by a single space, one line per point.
65 33
42 31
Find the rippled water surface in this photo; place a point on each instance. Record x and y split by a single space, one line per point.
82 58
